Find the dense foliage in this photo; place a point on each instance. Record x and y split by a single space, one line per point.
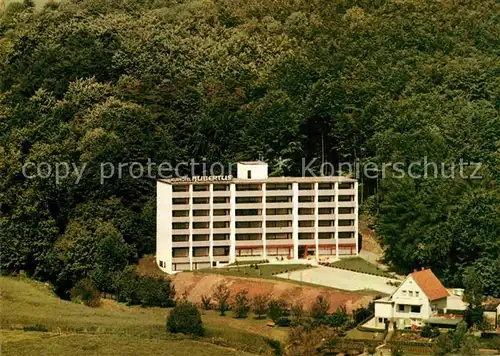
185 318
125 81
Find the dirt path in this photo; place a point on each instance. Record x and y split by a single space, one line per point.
194 285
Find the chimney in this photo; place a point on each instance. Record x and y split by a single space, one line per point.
414 270
423 268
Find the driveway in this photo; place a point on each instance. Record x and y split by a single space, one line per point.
341 279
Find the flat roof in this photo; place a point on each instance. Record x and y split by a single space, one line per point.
328 179
443 321
254 163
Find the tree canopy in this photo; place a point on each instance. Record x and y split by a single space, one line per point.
119 81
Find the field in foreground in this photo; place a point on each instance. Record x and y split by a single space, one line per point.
113 329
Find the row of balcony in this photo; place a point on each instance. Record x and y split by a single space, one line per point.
267 193
282 205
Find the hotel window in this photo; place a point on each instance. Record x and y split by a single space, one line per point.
278 186
161 263
221 251
306 186
306 211
248 187
346 210
306 223
180 252
324 186
220 187
247 212
180 201
306 199
306 236
278 211
279 223
200 188
200 251
201 200
401 307
180 188
200 237
346 185
180 225
326 235
346 197
248 200
180 213
180 238
220 237
220 212
325 211
326 222
251 237
410 293
279 236
346 222
201 225
326 198
249 174
405 293
221 200
415 309
417 294
201 212
220 224
346 235
248 224
278 199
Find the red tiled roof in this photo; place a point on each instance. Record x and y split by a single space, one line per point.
430 284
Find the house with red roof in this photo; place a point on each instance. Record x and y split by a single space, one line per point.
420 299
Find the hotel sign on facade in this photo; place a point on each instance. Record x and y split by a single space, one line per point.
194 179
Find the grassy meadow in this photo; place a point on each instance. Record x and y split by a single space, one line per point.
36 321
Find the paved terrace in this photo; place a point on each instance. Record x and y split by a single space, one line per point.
341 279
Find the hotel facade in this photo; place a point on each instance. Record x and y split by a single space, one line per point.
207 222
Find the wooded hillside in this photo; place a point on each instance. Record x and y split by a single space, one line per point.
227 80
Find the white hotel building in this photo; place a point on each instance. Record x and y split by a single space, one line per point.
211 221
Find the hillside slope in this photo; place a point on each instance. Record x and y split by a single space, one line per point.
112 329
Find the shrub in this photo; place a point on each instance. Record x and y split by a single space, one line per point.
319 310
185 318
427 331
276 309
206 302
86 292
221 295
155 292
283 321
337 319
361 314
37 327
241 304
259 305
297 311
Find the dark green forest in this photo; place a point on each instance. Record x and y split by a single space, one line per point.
379 81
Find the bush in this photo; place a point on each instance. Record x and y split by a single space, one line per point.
283 321
427 331
221 295
337 319
297 311
276 309
155 292
241 304
185 319
86 292
206 302
259 305
147 291
319 310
